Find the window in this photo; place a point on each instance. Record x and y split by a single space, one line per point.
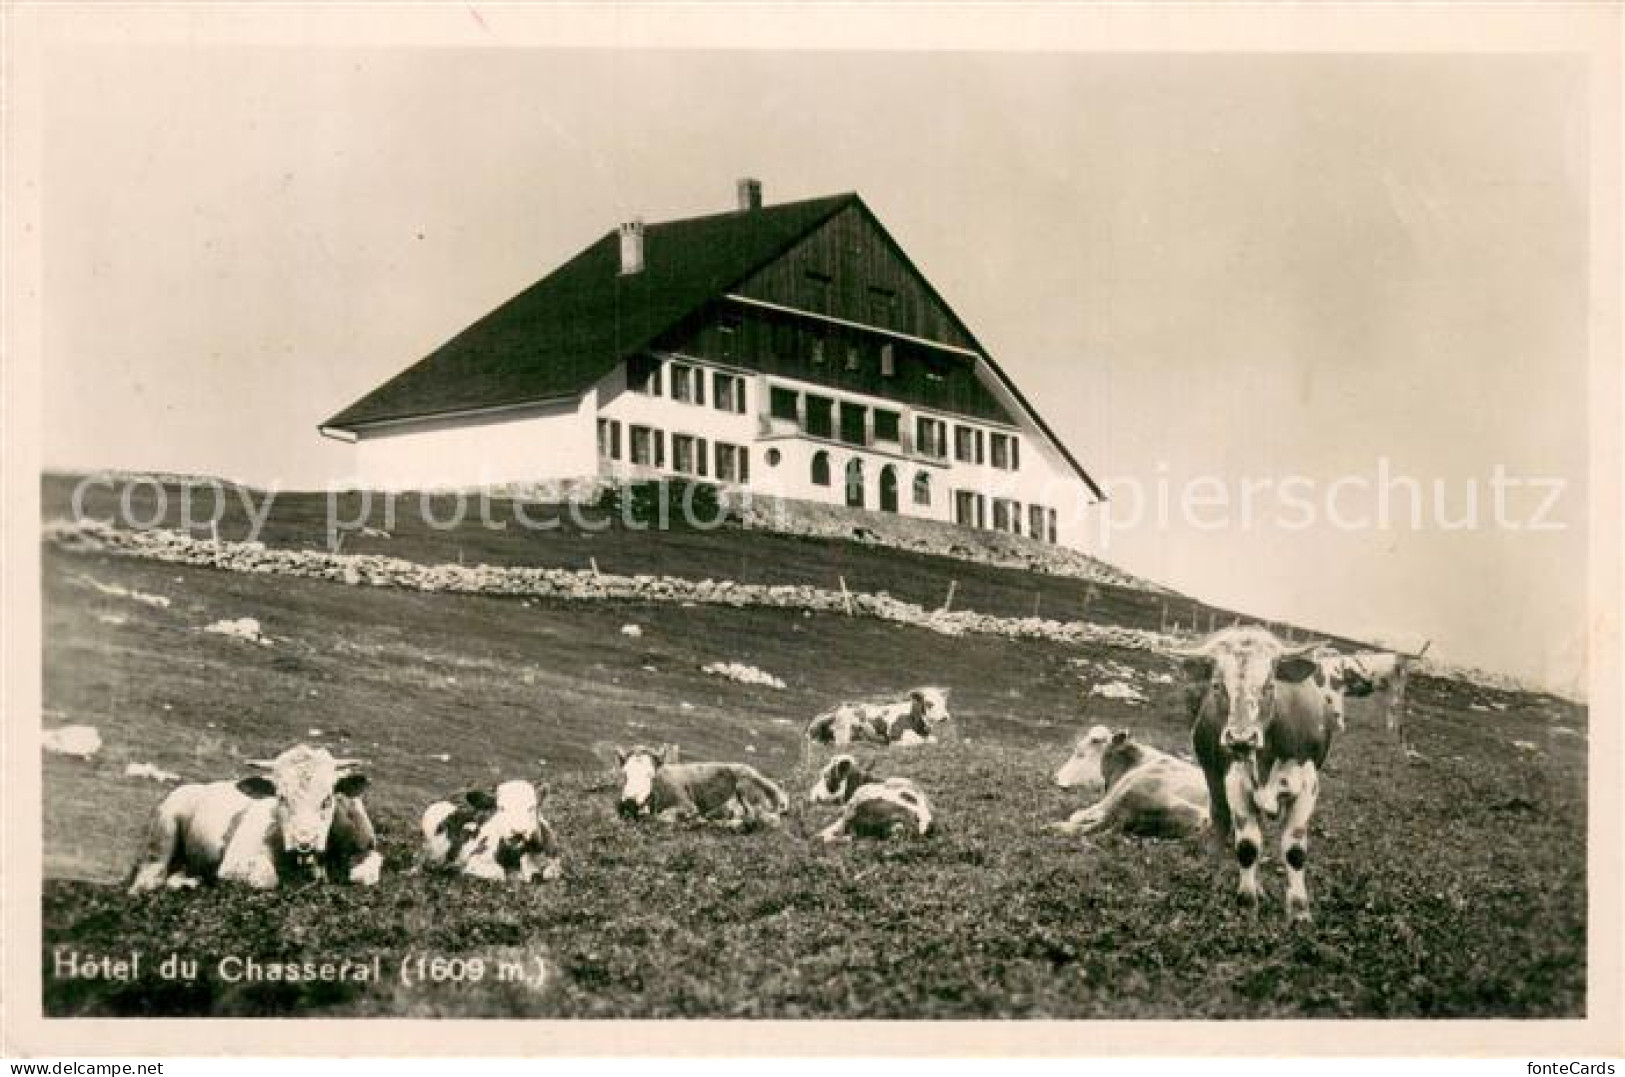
1035 521
820 416
888 426
643 375
728 392
1052 529
967 445
732 463
888 362
970 509
1006 515
609 438
854 359
688 454
728 327
1006 451
854 483
648 447
922 488
931 438
817 355
820 468
682 383
773 457
854 424
782 403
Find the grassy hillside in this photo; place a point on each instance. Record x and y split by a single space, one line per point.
301 521
1451 888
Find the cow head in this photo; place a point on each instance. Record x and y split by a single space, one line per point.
837 782
304 781
514 824
638 766
1122 754
930 705
1236 671
1083 768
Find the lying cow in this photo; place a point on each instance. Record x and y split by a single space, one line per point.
1148 792
490 836
912 720
1083 767
1262 734
734 795
301 818
875 808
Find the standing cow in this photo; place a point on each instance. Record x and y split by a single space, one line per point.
492 836
1262 732
300 818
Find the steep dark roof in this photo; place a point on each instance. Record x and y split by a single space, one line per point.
562 334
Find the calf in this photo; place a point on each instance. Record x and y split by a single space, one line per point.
301 818
1148 792
875 808
734 795
912 720
488 836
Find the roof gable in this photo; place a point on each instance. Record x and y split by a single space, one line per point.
562 334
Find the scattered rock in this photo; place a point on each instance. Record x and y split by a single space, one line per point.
1118 690
148 770
246 629
742 673
632 631
79 741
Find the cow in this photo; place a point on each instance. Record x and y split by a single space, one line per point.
734 795
911 720
1259 711
1148 792
875 807
1083 766
301 818
496 836
1359 675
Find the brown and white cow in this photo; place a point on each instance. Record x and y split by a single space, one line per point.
875 807
914 719
1261 724
734 795
1082 768
301 818
492 836
1148 792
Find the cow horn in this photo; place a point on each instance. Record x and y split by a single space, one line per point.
1202 650
260 764
348 764
1305 650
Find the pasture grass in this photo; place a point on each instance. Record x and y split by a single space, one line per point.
1450 888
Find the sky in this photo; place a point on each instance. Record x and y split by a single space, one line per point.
1213 269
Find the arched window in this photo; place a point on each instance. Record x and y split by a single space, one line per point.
888 489
854 483
922 488
820 468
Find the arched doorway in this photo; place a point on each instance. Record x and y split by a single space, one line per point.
854 483
888 489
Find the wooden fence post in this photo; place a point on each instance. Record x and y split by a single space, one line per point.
948 603
846 596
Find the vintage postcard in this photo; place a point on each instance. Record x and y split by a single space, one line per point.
812 530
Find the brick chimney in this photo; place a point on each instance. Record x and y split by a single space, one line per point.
631 247
750 195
